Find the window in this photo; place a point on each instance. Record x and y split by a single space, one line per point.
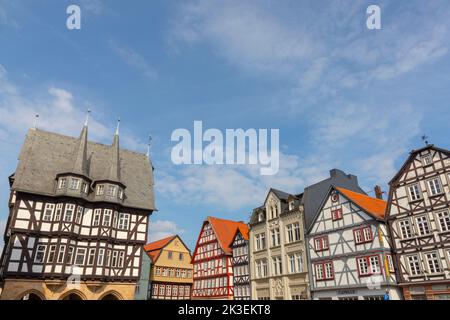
277 266
69 257
162 289
155 289
368 265
444 220
434 185
336 214
170 255
111 191
178 273
363 235
427 159
79 215
48 212
169 290
84 187
260 217
275 235
422 225
96 220
74 184
120 193
62 251
51 254
115 218
180 256
321 243
68 215
107 218
183 274
414 192
414 265
100 189
295 262
390 263
79 257
62 183
114 259
260 241
433 262
40 252
121 259
91 258
58 211
261 268
124 220
101 256
405 228
293 232
324 271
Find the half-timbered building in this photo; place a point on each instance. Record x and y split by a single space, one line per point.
171 271
241 268
419 223
278 253
78 219
213 259
349 249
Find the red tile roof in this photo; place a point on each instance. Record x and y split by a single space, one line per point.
153 249
373 206
225 231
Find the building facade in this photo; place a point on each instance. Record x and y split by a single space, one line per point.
419 224
349 249
277 249
78 219
171 272
241 265
213 259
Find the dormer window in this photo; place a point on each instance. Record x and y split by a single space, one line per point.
100 189
120 193
74 184
291 205
62 183
84 187
260 217
111 191
427 159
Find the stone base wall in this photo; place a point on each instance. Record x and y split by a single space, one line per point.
16 289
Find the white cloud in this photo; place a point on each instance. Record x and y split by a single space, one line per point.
160 229
94 6
133 59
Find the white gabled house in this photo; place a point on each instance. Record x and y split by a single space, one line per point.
348 248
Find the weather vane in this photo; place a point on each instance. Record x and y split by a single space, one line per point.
425 139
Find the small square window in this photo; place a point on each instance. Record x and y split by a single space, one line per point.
427 159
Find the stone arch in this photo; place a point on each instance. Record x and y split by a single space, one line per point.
73 295
111 295
32 294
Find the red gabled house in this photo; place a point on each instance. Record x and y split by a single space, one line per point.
212 259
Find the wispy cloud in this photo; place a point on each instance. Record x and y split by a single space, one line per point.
133 59
160 229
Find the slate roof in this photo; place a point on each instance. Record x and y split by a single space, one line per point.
45 154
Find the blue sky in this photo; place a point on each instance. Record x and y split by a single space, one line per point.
342 95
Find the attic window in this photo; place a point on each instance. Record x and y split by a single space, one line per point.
120 193
84 187
291 205
260 217
100 189
111 192
74 184
427 159
62 183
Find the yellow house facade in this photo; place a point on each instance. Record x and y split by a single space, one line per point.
171 273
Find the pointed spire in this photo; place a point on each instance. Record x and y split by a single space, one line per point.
114 169
36 118
148 146
80 152
88 113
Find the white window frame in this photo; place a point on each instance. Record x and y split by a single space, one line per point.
78 254
423 226
437 267
101 256
107 217
414 192
417 264
48 212
433 188
100 190
426 156
124 221
51 253
58 212
91 257
96 217
62 183
443 219
69 208
111 191
79 215
74 184
61 254
409 226
40 249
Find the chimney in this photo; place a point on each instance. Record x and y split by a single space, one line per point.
378 192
